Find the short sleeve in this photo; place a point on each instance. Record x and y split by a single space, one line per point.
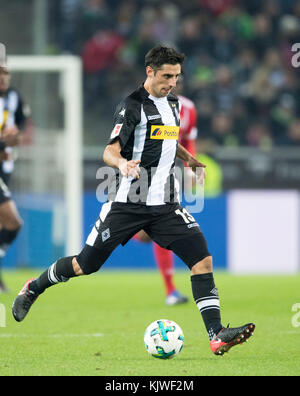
126 118
20 116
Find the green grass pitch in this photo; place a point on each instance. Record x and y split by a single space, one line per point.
94 325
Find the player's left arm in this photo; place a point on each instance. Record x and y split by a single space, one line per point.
190 132
189 145
191 162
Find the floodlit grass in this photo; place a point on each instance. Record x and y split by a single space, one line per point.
94 325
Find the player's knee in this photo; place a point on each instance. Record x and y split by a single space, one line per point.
89 260
76 267
194 253
203 266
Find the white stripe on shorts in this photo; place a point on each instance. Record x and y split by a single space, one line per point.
94 233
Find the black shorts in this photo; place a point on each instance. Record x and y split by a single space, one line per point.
5 194
118 222
171 226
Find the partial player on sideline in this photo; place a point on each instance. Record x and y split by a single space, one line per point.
12 120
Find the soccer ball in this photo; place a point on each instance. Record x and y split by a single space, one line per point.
163 339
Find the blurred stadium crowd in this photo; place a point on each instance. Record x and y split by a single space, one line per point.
238 69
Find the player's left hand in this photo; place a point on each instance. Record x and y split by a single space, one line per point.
193 163
198 168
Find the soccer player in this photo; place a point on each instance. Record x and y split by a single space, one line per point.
164 257
142 149
11 121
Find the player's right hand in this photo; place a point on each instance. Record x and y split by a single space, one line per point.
11 136
130 168
4 156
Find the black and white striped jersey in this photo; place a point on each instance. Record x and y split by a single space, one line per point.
148 129
11 110
11 113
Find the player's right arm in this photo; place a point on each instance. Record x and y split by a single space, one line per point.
126 117
112 157
10 140
11 135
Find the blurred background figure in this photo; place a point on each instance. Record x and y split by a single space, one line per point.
12 120
236 51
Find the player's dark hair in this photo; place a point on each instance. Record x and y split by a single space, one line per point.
160 55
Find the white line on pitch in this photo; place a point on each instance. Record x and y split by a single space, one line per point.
9 335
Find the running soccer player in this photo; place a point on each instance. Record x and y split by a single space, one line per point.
11 121
142 149
164 257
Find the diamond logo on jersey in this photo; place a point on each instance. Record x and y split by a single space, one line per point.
105 235
116 131
164 132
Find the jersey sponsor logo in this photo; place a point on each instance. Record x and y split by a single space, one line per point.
154 117
156 132
116 131
164 132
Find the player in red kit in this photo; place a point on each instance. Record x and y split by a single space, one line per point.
164 257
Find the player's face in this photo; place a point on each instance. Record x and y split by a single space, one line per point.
162 81
4 82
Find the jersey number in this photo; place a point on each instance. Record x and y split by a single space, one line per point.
187 217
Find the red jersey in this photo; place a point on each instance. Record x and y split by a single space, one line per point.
188 125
